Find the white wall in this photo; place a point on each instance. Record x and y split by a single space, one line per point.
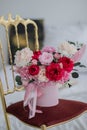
53 11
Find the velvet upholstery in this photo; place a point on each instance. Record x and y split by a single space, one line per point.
64 111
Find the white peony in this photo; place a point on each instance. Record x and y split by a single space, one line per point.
23 57
67 49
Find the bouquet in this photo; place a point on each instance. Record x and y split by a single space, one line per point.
42 68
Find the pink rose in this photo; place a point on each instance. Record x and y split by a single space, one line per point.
33 70
34 61
57 56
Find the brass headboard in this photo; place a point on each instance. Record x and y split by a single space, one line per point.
14 22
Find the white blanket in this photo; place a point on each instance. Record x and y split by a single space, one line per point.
76 92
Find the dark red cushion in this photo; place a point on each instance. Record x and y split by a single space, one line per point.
65 110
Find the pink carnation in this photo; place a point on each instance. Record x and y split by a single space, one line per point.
23 71
65 77
42 76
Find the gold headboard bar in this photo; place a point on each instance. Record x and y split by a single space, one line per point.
3 64
5 74
18 44
10 56
18 20
28 21
7 23
26 35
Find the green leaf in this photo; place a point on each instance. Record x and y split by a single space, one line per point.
71 42
19 83
69 85
75 75
18 80
77 64
83 66
31 80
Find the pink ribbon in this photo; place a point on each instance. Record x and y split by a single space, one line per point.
30 99
32 92
78 55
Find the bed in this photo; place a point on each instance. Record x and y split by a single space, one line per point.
77 92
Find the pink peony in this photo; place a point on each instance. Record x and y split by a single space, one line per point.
48 49
67 63
46 58
54 72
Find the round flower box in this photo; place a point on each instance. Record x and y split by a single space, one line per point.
49 96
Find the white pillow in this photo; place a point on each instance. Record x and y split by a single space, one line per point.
74 32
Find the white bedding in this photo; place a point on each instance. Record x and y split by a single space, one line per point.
76 92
